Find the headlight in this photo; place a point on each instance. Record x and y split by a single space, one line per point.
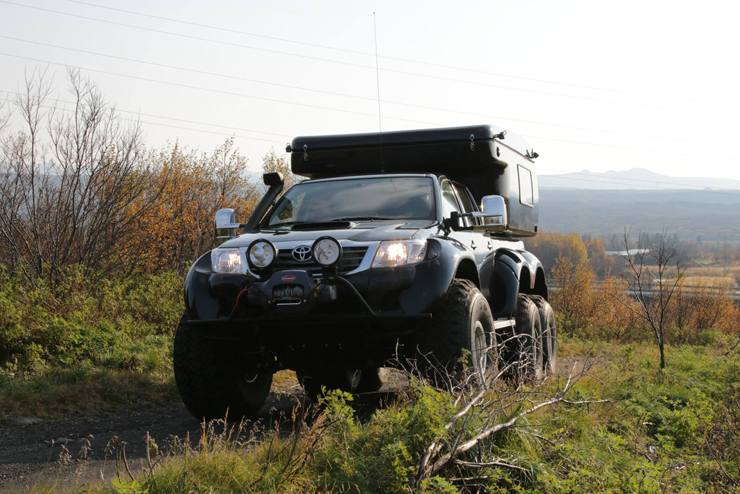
326 251
226 261
261 254
399 253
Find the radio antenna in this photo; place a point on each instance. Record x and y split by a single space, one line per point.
377 79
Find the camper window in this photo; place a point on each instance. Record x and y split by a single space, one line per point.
526 194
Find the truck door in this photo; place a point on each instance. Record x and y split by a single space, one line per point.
455 198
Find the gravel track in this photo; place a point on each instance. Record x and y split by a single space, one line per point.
74 452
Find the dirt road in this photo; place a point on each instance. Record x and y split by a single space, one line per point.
73 452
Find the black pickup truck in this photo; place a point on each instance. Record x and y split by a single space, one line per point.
405 245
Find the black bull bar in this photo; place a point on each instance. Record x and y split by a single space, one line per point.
287 299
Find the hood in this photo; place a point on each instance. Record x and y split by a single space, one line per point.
361 232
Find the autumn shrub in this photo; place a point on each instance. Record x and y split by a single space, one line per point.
590 309
191 186
697 310
549 246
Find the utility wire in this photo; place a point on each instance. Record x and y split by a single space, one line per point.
610 180
242 95
405 60
411 105
219 91
186 69
731 158
415 74
240 129
710 191
71 110
656 187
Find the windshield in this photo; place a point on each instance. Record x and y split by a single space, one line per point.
408 198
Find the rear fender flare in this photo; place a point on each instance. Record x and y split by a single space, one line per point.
514 272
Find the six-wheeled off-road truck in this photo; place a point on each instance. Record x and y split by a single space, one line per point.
404 245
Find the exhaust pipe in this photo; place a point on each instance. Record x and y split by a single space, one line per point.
275 182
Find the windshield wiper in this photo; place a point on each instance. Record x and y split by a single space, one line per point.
361 218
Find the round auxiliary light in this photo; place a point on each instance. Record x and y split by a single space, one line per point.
326 251
261 254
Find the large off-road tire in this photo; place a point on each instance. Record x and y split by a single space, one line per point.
524 351
461 322
211 379
549 333
315 381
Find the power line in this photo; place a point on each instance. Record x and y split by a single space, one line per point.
345 111
559 177
657 187
712 191
173 126
186 69
405 60
447 79
241 129
219 91
226 30
411 105
610 180
732 158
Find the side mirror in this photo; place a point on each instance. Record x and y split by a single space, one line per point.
494 214
492 219
225 225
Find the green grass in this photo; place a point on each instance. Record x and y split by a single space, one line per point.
90 348
663 431
84 392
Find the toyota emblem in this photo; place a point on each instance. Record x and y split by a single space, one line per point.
302 253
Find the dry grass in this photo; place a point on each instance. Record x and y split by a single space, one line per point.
284 382
83 392
730 275
710 281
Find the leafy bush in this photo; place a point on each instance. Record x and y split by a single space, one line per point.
113 323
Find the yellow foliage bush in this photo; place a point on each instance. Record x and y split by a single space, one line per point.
193 186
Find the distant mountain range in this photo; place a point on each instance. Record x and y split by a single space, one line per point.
635 179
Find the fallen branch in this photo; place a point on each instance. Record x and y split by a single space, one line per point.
428 468
497 463
733 347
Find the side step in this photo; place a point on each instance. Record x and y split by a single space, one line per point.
504 323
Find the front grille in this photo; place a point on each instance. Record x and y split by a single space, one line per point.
351 259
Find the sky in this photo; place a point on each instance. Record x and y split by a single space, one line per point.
591 85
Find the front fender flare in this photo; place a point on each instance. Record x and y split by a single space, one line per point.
433 278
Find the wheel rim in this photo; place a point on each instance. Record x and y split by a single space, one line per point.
353 379
480 354
250 379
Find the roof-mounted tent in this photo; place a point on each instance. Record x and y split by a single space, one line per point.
484 158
